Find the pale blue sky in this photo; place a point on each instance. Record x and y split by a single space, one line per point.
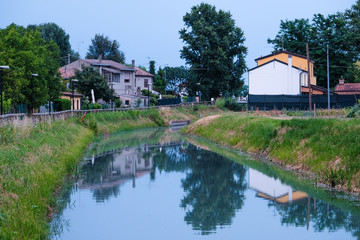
149 29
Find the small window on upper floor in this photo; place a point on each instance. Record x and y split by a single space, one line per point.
127 80
146 83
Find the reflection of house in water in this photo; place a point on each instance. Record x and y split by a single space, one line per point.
273 189
113 168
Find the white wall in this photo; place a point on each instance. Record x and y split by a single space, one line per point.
274 78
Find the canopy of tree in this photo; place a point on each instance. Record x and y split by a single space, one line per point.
27 53
340 31
90 78
52 32
214 49
108 49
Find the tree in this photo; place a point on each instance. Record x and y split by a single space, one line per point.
152 67
176 76
52 32
159 81
333 30
89 78
102 45
214 49
27 53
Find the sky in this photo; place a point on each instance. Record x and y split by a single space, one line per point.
149 30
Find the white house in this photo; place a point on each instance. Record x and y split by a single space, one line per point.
283 73
275 78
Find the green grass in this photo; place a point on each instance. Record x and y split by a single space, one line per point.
34 162
110 122
329 148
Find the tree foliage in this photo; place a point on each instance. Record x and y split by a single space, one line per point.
214 49
152 67
176 76
159 81
27 53
53 32
108 49
335 30
90 78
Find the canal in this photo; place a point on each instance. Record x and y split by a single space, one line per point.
157 184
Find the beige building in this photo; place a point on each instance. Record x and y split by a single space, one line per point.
126 81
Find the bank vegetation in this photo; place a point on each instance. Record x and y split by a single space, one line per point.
327 150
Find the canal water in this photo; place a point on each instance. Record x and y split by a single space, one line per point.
155 184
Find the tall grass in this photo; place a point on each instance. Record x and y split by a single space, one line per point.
329 148
33 164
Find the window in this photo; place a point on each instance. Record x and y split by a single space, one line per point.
116 77
146 83
127 80
127 102
127 89
107 76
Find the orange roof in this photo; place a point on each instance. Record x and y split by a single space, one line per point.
348 87
140 72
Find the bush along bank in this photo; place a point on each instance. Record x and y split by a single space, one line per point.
326 149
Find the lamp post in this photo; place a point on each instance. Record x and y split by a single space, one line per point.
148 94
1 87
32 90
166 64
73 81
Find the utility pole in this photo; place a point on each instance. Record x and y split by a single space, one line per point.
328 76
68 58
308 68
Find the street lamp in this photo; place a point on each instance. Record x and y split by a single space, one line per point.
32 90
73 81
148 94
1 87
166 64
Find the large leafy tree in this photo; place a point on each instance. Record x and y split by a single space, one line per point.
176 76
90 78
214 49
333 30
53 32
108 49
27 53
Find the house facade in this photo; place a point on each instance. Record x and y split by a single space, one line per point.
126 81
283 73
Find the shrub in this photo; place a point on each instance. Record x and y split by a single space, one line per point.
231 104
62 105
118 102
96 106
354 111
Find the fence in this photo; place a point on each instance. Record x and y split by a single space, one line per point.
36 118
301 102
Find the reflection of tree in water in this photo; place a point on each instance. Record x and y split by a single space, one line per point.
320 215
214 188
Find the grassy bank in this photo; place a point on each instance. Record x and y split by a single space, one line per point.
327 149
34 162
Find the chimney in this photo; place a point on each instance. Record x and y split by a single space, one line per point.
100 58
133 63
341 81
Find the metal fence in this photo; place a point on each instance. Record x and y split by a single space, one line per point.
269 102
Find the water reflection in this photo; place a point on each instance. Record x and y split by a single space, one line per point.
215 189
